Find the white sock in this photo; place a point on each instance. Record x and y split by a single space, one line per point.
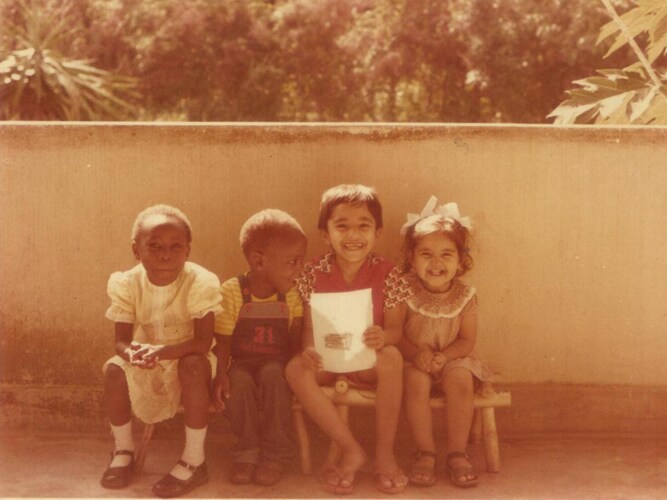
122 436
193 453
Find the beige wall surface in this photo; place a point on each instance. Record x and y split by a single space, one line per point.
570 233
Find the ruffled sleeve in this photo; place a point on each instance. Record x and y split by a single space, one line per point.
119 289
305 284
396 288
471 306
204 296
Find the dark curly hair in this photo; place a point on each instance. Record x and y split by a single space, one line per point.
451 228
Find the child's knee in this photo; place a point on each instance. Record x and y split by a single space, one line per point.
193 366
114 376
458 382
416 379
389 359
295 369
273 373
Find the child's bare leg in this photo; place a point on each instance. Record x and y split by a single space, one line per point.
119 410
194 373
458 386
417 391
116 395
302 380
389 369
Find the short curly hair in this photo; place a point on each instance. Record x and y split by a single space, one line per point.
349 193
161 209
451 228
268 227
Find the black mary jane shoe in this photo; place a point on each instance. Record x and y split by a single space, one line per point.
118 477
170 486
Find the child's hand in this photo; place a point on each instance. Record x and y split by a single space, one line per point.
438 363
145 355
374 337
220 390
423 360
312 359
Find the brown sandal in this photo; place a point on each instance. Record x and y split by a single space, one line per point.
462 471
425 470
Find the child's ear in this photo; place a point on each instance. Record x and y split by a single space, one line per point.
256 260
378 232
325 236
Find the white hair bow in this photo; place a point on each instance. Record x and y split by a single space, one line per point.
448 211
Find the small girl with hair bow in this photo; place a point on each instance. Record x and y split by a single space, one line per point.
440 332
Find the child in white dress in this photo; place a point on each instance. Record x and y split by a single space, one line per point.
164 312
440 333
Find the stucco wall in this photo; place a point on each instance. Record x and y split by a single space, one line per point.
570 248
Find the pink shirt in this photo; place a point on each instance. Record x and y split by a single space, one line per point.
388 287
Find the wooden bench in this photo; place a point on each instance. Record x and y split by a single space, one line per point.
486 400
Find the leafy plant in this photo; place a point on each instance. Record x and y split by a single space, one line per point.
636 94
38 82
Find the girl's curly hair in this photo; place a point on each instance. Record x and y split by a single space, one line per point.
451 228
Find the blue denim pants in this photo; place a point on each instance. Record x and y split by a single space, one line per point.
259 409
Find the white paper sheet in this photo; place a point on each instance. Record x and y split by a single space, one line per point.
339 321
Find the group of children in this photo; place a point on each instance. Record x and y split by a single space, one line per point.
169 312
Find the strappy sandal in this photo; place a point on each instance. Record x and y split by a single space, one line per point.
423 470
170 486
462 471
118 477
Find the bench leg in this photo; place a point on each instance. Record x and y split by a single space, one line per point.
476 428
140 453
302 437
490 440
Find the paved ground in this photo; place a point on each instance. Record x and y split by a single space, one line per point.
41 465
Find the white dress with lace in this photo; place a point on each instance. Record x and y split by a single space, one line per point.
161 315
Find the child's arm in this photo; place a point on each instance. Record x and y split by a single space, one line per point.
377 337
199 344
295 336
465 341
221 386
311 357
123 333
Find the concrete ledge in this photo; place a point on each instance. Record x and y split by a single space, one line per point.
536 408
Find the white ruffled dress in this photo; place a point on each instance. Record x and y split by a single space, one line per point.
161 315
434 320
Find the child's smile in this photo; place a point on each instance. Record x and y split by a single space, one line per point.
351 232
435 259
